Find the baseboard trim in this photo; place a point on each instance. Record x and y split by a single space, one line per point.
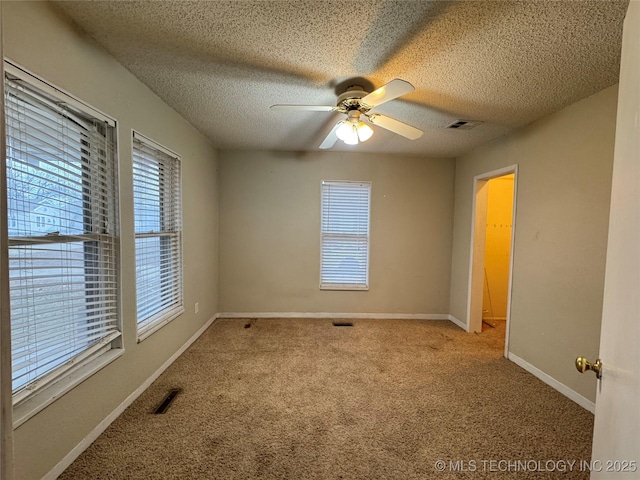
62 465
552 382
459 323
381 316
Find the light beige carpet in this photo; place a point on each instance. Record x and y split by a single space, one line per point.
384 399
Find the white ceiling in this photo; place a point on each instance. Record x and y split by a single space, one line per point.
221 64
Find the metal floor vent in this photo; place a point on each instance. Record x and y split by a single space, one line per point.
343 324
168 400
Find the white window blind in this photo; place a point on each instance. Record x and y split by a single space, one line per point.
63 246
344 262
157 213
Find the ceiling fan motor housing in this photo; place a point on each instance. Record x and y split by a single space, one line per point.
350 100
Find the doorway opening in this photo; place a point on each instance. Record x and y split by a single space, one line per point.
493 227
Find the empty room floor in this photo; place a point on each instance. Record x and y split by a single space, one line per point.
382 399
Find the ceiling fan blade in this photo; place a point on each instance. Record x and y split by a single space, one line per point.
308 108
391 90
331 138
395 126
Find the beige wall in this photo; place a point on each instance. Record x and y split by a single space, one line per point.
270 233
497 247
564 183
39 39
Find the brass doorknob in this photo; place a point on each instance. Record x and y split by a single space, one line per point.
582 364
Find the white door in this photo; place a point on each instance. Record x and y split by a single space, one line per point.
616 436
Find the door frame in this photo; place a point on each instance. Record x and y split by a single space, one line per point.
477 249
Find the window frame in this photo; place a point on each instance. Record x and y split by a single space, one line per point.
53 384
162 317
345 286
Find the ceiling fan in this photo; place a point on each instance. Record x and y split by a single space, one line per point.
356 104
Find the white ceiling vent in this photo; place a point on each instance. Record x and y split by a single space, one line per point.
464 124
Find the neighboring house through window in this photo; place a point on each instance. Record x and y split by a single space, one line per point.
63 244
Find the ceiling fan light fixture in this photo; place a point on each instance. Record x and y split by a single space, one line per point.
347 132
353 140
364 132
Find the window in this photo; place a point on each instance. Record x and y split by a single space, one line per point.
344 251
63 245
157 214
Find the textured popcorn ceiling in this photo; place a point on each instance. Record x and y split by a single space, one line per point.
222 64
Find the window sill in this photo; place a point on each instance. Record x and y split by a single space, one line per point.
158 324
44 397
336 286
